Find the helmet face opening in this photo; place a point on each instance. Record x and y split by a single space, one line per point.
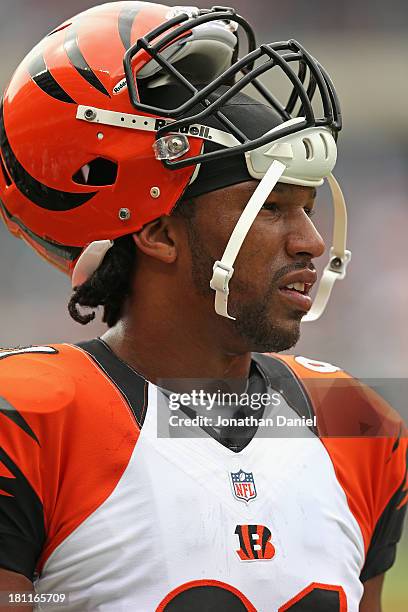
311 92
200 55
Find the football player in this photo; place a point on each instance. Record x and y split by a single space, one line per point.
172 176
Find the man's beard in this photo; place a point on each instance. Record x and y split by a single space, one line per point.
253 322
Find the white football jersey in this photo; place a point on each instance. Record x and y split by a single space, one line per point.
120 515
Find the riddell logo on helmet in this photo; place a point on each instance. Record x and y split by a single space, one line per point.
194 130
119 86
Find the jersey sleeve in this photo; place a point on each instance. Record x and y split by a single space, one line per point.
382 549
21 516
67 433
32 395
367 442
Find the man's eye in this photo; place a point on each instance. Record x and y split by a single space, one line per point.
309 211
271 206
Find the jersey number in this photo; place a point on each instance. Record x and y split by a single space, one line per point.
28 350
210 595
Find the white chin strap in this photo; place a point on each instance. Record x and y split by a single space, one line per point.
224 268
89 261
339 255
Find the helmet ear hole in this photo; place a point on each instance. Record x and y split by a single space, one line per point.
308 148
326 147
98 172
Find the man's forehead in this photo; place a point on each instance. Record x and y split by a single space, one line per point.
286 188
282 188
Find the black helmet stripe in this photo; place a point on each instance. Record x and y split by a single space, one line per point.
79 62
45 81
38 193
125 24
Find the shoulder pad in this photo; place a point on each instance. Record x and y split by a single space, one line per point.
344 406
34 379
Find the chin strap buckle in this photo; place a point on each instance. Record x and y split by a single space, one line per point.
223 269
222 274
335 270
221 277
339 264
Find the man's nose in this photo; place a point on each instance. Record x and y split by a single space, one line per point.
304 239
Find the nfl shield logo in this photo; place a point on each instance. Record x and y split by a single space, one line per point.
243 485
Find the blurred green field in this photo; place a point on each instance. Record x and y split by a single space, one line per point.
395 598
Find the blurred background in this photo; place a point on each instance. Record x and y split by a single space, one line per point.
364 47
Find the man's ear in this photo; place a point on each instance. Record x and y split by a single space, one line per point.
158 239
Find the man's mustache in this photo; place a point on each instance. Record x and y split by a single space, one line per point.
300 265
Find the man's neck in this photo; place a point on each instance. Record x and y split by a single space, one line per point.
174 355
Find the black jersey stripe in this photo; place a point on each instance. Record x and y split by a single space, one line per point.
22 528
381 552
397 441
131 385
11 413
79 62
45 80
125 24
281 378
37 192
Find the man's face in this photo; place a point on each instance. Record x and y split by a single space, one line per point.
277 251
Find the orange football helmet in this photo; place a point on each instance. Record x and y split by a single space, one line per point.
78 165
